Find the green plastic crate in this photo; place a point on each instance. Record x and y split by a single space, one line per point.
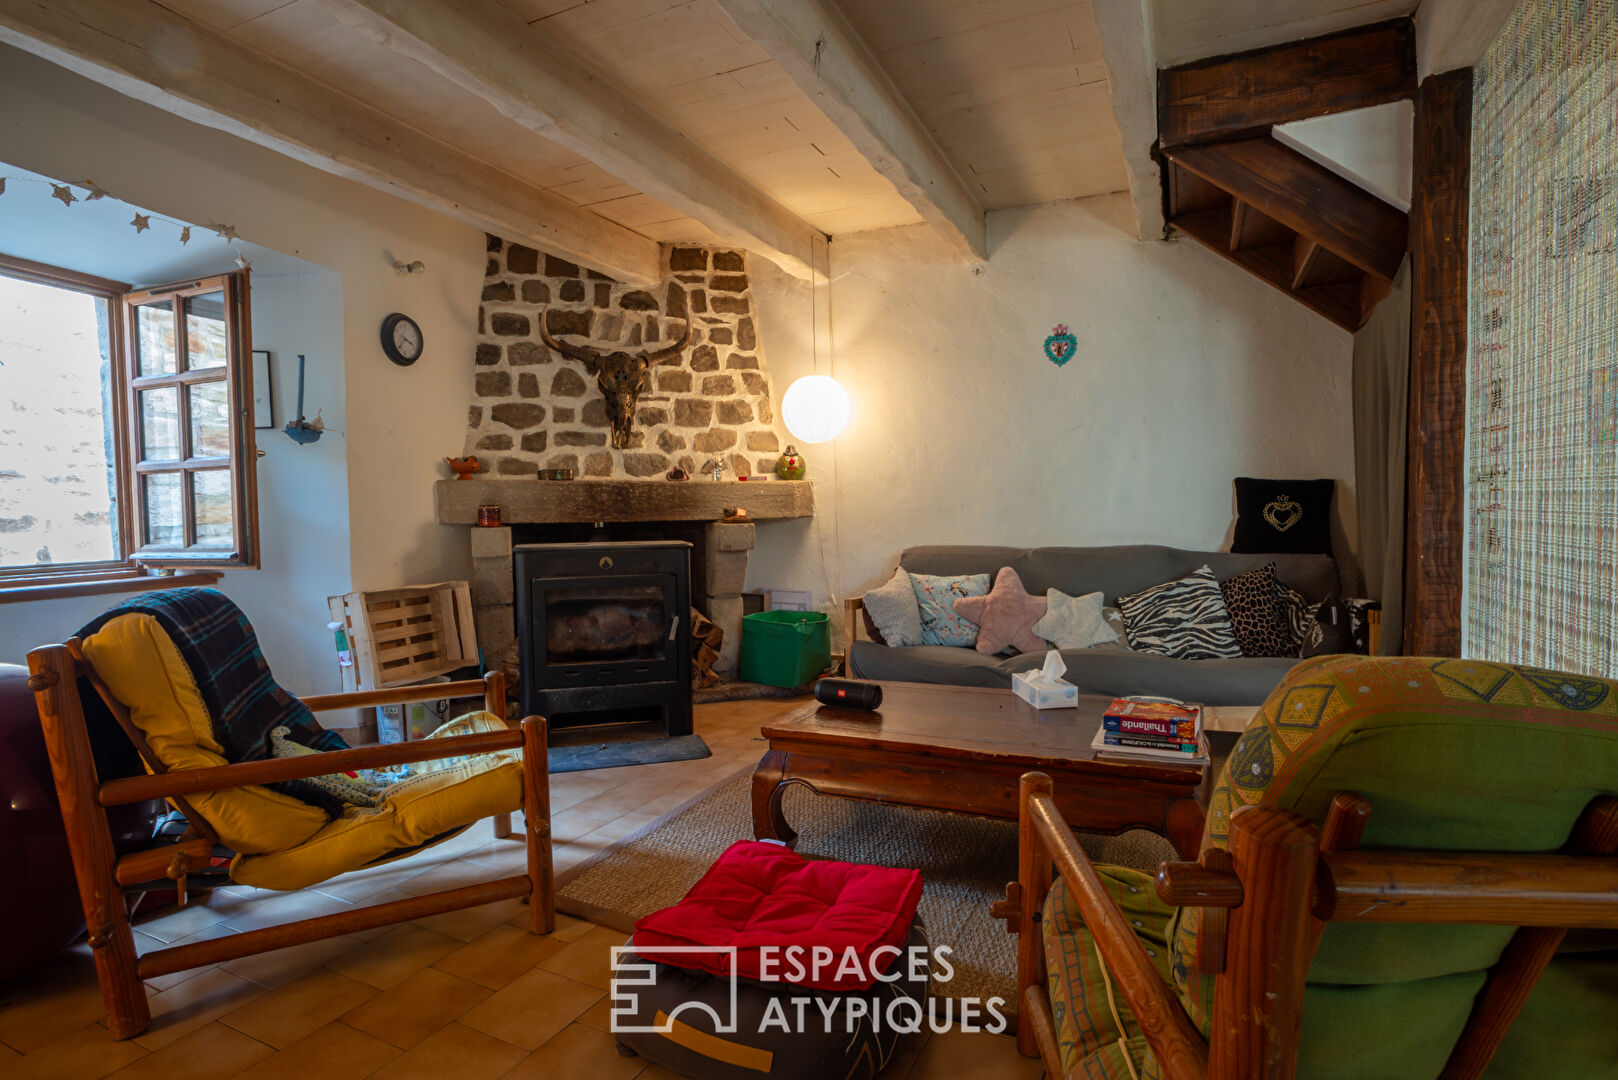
785 648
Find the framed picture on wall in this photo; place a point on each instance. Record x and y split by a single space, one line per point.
263 397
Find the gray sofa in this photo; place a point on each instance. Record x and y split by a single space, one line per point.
1105 669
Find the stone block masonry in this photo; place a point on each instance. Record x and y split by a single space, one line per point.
533 409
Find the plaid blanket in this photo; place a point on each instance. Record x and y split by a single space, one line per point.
244 701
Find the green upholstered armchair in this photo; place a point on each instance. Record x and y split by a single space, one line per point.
1391 861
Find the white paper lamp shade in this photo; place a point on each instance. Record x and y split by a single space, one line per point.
815 409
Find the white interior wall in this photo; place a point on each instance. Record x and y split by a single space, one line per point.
302 490
398 422
1189 373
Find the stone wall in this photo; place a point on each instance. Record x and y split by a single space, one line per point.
534 409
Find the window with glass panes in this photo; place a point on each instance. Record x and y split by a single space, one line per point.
127 438
188 419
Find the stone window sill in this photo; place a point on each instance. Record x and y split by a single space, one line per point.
20 590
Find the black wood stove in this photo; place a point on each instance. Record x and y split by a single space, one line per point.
604 634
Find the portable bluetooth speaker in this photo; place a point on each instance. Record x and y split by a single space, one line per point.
849 693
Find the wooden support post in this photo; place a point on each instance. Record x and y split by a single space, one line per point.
536 816
1345 823
89 839
1238 218
1437 450
494 701
1305 252
1258 998
1034 875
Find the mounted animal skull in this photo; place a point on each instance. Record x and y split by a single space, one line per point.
620 375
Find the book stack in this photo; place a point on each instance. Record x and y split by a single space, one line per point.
1157 729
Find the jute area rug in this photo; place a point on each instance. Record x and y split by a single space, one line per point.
964 861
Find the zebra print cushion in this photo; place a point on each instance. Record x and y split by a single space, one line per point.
1185 618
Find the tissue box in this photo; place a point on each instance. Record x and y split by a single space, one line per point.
1045 693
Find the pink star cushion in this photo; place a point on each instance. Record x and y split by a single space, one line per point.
1006 616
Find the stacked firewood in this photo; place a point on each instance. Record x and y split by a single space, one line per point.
706 639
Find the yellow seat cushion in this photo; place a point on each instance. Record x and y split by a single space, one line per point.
443 796
144 670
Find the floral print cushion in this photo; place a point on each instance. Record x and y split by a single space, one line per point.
936 596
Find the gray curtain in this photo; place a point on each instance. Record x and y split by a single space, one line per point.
1381 407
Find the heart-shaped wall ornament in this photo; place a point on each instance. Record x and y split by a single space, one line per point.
1061 345
1283 513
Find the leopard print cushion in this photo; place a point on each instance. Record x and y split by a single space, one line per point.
1258 613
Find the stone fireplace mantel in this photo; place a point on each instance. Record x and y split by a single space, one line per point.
724 547
525 501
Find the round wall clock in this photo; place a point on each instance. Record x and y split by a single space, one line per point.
401 339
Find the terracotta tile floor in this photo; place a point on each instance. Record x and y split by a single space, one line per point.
465 996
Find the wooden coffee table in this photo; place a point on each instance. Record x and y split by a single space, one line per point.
963 749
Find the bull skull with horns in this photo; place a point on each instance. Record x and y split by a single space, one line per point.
620 375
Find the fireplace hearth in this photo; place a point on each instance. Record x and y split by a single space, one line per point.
603 632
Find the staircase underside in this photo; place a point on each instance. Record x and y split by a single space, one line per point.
1277 214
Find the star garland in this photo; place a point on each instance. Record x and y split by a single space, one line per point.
92 191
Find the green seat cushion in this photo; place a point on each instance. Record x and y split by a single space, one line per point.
1568 1025
1453 755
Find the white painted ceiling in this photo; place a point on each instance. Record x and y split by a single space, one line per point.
96 237
1193 29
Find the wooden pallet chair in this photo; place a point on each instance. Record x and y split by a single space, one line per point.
104 880
1307 941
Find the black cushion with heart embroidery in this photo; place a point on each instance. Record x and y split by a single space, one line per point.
1274 516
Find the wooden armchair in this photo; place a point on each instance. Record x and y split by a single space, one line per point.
103 879
1267 899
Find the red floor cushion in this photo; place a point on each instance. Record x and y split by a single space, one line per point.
764 900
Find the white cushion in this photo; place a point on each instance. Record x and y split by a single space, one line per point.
1074 622
895 611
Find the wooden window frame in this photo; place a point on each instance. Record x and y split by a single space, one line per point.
238 378
129 570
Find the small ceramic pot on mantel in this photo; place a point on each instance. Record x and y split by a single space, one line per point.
463 467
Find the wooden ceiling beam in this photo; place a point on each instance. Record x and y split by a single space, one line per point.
1306 197
813 42
1231 97
1129 50
147 52
486 48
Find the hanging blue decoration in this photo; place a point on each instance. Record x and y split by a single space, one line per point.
1061 345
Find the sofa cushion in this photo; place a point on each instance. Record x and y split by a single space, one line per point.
1111 670
1282 515
1076 622
936 596
1258 611
1118 570
894 612
1184 618
1006 616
